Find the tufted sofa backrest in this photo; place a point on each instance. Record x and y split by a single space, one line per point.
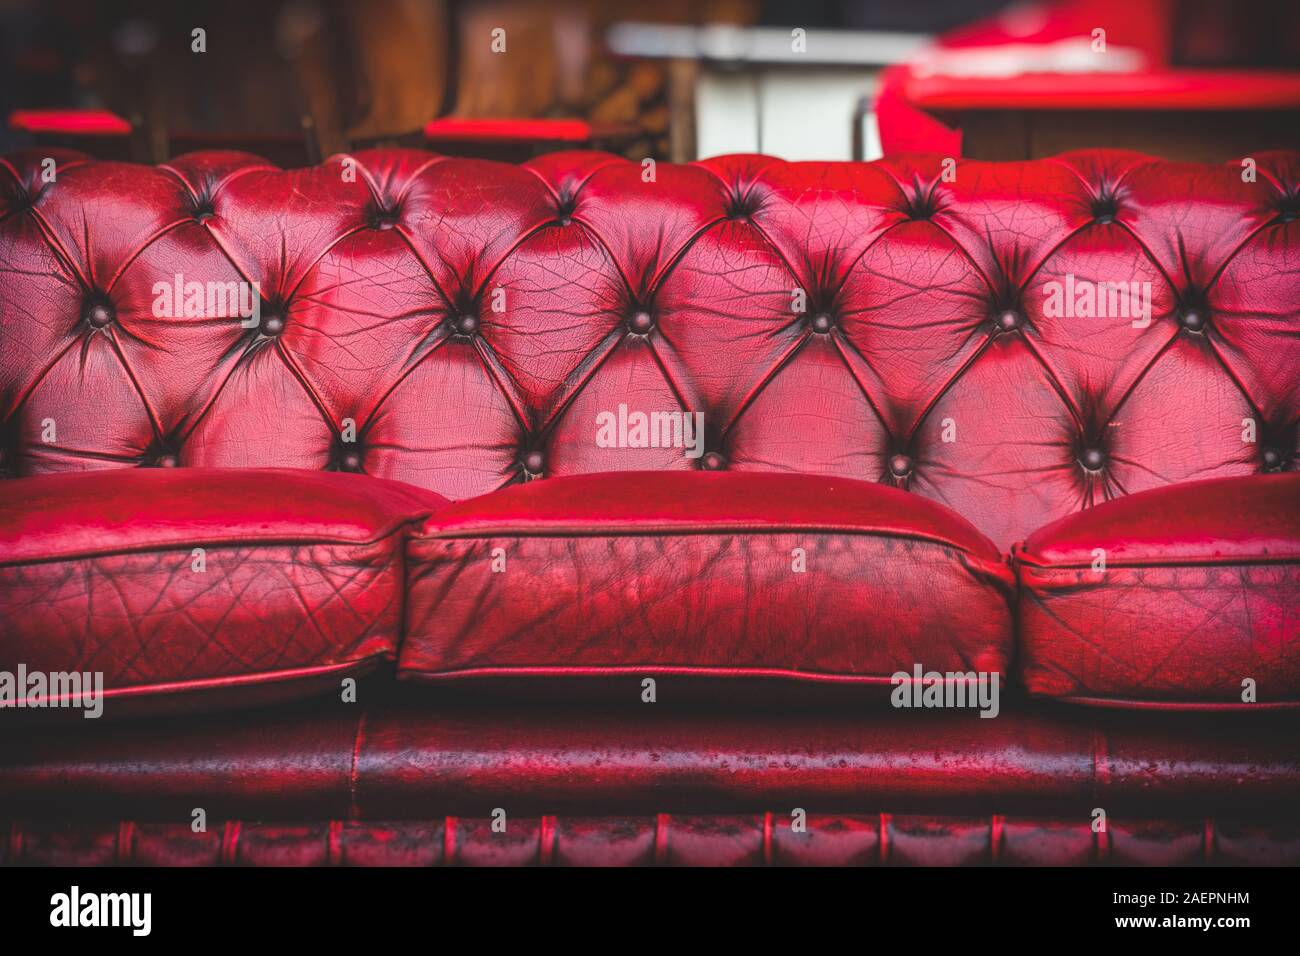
462 325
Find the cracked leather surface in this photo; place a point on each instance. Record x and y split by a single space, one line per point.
1200 591
472 319
643 573
925 310
395 755
300 581
875 839
384 287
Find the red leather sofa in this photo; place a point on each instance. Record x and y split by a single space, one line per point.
383 566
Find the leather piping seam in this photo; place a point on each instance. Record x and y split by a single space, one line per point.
671 531
219 543
415 675
235 681
769 856
356 760
1138 564
1129 703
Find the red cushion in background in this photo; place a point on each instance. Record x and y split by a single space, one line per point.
670 573
69 122
1200 590
301 582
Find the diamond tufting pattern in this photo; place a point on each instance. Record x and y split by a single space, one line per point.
461 326
466 321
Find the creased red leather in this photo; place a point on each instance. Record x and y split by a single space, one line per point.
877 839
717 575
297 581
419 755
470 317
1176 597
472 321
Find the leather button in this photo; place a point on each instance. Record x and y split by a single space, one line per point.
99 314
534 462
1193 319
351 461
467 324
739 207
821 323
919 206
641 322
272 324
900 466
166 461
1009 320
1093 459
1272 458
713 461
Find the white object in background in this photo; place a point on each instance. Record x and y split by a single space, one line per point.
796 115
809 114
871 148
726 113
1070 55
735 44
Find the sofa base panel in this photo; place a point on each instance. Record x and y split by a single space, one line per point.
769 839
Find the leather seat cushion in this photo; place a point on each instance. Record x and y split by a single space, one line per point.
719 574
1199 592
178 585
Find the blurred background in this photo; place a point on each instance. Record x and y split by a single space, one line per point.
298 80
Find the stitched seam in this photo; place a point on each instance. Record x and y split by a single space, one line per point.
353 812
267 541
